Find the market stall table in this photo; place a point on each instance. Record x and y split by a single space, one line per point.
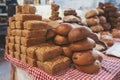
110 71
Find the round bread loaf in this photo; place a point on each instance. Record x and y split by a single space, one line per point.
77 34
84 44
92 21
97 55
83 58
63 29
96 28
106 26
102 20
91 13
51 33
61 40
90 69
67 52
94 36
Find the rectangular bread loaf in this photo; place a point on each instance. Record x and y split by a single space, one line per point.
17 55
12 39
12 25
47 52
19 25
55 65
34 33
9 31
23 58
24 50
32 41
27 9
17 39
7 40
18 32
17 48
11 19
18 9
13 32
26 17
11 47
35 25
31 61
11 53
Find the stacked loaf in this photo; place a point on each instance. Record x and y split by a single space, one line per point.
112 14
26 42
70 16
102 16
54 12
78 46
93 21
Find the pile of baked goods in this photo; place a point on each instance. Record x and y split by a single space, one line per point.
54 12
26 41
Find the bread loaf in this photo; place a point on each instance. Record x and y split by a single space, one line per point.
55 65
12 39
77 34
90 69
11 47
23 50
18 32
67 52
91 13
106 26
7 40
11 19
13 32
32 41
23 58
11 53
61 40
18 9
92 21
9 31
17 48
102 20
84 44
51 33
25 17
83 58
17 55
35 25
63 29
70 12
96 28
34 33
116 33
19 25
47 52
31 61
12 25
17 39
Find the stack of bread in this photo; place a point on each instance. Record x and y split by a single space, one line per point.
26 42
54 12
93 21
70 16
78 46
112 14
103 20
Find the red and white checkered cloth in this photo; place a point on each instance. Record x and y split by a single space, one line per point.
111 71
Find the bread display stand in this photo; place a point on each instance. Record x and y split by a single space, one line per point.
22 71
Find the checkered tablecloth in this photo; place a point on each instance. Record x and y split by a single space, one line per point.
111 71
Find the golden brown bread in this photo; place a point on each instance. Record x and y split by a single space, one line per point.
90 69
17 39
102 20
18 9
11 19
116 33
19 25
55 7
70 12
12 25
34 33
35 25
55 65
31 61
83 58
11 47
12 39
67 52
106 26
18 32
77 34
61 40
17 55
23 58
26 17
91 13
94 36
23 50
11 53
84 44
51 33
7 39
17 48
63 29
47 52
13 32
96 28
92 21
